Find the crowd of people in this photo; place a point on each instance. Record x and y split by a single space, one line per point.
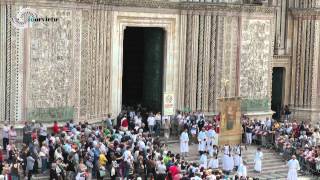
128 147
301 140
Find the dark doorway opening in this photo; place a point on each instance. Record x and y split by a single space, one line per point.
277 91
142 81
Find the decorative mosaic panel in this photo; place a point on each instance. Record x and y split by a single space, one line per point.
255 59
52 62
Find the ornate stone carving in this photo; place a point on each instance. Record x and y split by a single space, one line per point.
3 61
230 54
213 53
255 58
84 63
52 61
306 13
200 64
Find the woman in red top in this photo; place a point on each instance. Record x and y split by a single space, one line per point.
56 127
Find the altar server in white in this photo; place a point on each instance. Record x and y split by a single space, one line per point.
258 161
203 162
210 142
294 166
184 143
213 162
227 161
242 170
237 157
202 139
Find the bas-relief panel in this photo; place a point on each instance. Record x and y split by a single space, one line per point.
51 69
255 59
229 55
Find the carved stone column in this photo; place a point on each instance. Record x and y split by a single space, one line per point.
3 53
182 65
305 65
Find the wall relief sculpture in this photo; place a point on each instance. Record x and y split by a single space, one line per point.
255 59
52 61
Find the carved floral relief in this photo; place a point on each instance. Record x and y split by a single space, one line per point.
255 59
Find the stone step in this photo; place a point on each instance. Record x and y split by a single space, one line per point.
268 163
265 161
270 169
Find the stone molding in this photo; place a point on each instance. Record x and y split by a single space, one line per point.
306 13
240 8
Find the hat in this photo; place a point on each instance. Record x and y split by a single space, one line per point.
33 120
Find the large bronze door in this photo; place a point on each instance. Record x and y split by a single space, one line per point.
143 67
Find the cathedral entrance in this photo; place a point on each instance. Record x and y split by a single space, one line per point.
277 91
143 60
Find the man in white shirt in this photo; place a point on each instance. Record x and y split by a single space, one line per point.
151 122
5 136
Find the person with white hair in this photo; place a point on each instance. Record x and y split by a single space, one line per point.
294 166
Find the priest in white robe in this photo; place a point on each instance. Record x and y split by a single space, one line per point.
227 161
294 166
184 143
237 157
213 162
203 162
242 171
210 142
258 161
202 139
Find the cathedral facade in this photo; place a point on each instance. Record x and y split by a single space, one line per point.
64 59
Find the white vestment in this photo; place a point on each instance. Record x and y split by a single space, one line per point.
184 142
213 163
211 138
258 161
216 139
237 160
293 168
227 163
202 141
203 161
242 171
